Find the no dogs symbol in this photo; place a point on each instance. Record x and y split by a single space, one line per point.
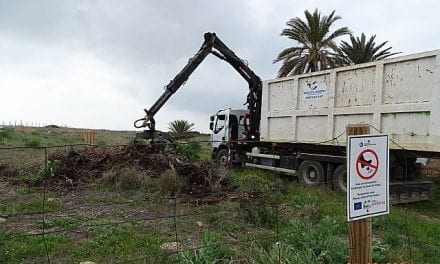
367 164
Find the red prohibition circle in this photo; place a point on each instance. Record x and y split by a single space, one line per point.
375 167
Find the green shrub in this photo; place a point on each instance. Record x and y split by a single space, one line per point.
127 178
311 212
64 222
279 252
169 183
263 216
5 133
44 173
33 179
255 180
101 143
210 251
189 150
321 242
34 142
379 251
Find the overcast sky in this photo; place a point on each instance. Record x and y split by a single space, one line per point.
98 64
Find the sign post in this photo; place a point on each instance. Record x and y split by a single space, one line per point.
367 187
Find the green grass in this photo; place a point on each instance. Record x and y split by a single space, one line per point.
308 225
33 204
62 222
204 145
108 244
39 137
29 249
256 180
121 242
211 251
411 233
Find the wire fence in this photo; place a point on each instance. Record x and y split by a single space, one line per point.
26 123
44 221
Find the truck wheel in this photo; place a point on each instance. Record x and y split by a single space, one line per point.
222 157
310 172
340 179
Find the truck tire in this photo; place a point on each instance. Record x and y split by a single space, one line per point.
311 172
222 157
340 179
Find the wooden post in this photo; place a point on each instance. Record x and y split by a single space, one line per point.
360 232
89 137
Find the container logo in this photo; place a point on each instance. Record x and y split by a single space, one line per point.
314 90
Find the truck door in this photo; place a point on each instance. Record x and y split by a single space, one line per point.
233 128
219 130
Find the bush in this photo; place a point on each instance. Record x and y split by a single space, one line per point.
189 150
321 242
101 143
169 183
256 180
126 178
32 142
52 126
5 133
264 216
44 173
210 251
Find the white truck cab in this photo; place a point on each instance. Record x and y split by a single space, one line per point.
226 126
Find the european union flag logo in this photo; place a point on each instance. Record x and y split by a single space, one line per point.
358 206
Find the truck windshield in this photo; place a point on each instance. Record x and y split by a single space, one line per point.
220 124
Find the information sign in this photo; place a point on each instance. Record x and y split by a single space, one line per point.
367 176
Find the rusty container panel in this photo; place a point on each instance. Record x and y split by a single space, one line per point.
355 87
281 96
409 81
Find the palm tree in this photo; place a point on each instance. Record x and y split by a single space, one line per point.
316 50
360 50
180 128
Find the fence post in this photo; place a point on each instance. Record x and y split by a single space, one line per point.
44 207
360 231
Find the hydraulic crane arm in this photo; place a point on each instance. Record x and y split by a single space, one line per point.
214 45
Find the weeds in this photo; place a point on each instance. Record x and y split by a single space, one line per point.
5 133
189 150
63 222
170 183
255 180
210 251
32 205
34 142
101 143
320 242
123 241
46 172
30 249
127 178
279 253
263 217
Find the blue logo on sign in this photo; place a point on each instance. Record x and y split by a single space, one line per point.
358 206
